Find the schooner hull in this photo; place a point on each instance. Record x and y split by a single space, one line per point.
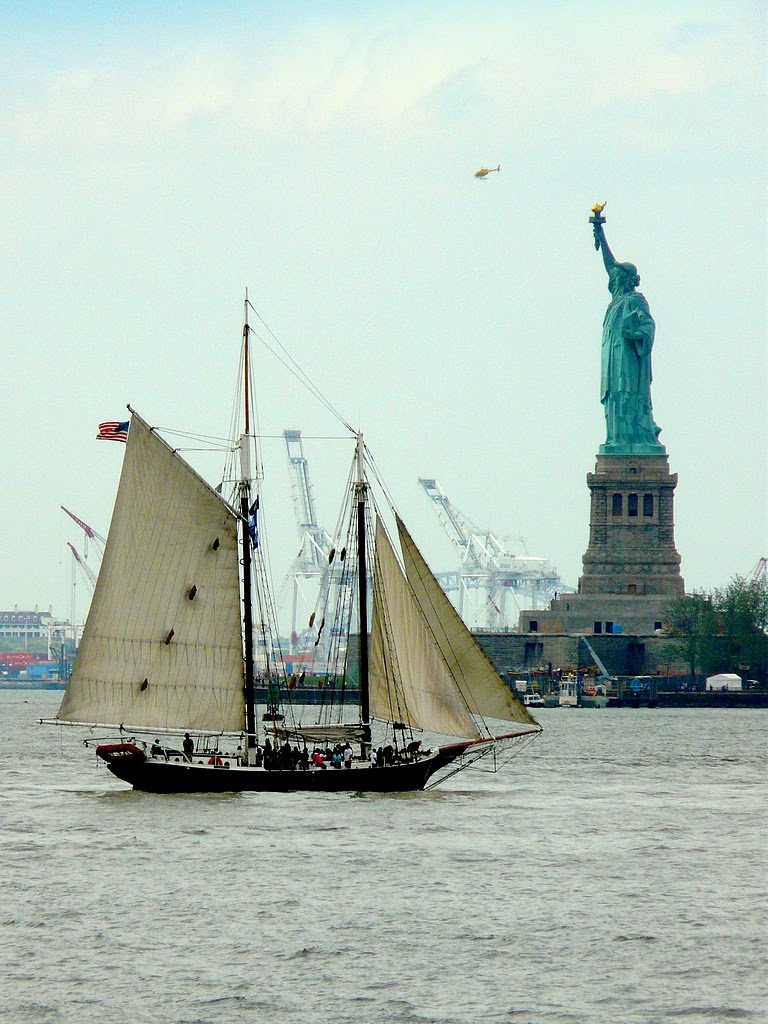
153 776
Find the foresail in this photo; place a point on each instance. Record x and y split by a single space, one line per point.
409 681
162 643
474 673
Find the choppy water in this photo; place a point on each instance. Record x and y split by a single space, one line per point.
616 873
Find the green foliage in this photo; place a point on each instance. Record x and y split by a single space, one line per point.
693 619
726 631
25 645
742 609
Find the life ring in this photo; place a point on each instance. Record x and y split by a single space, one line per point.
216 761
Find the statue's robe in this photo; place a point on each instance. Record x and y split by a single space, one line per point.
625 378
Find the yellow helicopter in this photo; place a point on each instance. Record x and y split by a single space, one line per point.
485 171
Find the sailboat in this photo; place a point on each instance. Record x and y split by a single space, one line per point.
182 634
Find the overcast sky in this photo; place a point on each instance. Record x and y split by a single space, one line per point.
158 159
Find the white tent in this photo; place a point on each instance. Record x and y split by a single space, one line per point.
724 681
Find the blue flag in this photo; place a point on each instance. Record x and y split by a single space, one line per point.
253 525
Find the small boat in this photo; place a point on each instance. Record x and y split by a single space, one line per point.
533 700
569 693
182 634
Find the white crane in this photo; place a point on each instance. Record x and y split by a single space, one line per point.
487 565
315 541
310 569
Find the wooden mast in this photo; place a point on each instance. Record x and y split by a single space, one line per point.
245 512
362 583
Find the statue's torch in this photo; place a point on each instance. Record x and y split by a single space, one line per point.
596 220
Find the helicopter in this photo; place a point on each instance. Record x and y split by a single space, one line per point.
485 171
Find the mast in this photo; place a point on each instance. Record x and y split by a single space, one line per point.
246 366
362 582
245 513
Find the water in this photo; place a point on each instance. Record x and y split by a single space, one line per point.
615 873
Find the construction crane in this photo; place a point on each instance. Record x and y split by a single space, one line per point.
311 565
80 564
315 542
89 534
89 578
760 571
480 549
487 565
605 675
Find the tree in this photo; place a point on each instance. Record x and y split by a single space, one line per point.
742 610
725 631
692 619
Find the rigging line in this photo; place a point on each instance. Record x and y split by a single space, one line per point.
295 369
220 448
234 416
378 477
192 435
400 712
304 379
312 437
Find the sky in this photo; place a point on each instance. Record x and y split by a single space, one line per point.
158 159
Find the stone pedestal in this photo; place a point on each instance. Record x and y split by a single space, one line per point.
631 566
631 528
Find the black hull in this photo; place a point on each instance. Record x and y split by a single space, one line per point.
153 776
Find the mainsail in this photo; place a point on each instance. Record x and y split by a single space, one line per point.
409 679
162 644
470 668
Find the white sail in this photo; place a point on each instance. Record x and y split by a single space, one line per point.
162 643
409 680
470 667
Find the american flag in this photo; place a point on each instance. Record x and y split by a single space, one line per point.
113 431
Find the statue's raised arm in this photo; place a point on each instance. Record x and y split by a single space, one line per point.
602 243
628 334
597 221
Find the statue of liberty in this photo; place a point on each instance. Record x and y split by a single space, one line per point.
625 365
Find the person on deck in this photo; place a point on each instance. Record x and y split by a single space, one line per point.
188 746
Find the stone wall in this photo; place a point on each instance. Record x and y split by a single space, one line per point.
627 654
